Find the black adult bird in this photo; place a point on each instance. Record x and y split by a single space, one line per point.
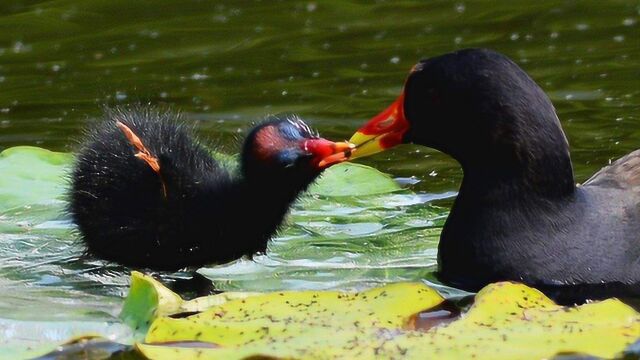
519 214
146 193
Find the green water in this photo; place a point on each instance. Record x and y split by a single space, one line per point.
335 63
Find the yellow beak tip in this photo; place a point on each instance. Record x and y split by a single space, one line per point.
364 145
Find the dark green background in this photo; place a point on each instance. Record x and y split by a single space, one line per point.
226 64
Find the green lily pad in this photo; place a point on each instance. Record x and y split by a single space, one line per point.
349 179
508 320
148 299
31 176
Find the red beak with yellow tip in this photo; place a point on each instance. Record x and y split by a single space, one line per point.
383 131
327 153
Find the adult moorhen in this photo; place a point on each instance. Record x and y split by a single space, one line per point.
519 214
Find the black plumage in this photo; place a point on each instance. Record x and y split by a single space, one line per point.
192 210
519 214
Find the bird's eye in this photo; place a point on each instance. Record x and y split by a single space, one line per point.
289 157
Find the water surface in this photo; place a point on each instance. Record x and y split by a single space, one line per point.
227 64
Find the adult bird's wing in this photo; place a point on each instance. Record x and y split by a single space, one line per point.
623 173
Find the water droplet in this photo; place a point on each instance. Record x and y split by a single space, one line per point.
582 27
197 76
311 7
394 60
618 38
120 95
514 36
20 47
460 8
220 18
284 92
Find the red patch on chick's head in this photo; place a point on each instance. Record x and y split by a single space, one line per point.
268 142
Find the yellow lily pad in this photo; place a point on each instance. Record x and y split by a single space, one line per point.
507 321
513 321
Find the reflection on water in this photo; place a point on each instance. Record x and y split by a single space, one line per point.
336 63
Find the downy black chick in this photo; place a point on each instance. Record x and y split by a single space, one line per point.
146 193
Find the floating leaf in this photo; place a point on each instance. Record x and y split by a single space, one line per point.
510 320
349 179
206 302
31 175
507 321
148 299
82 347
27 339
